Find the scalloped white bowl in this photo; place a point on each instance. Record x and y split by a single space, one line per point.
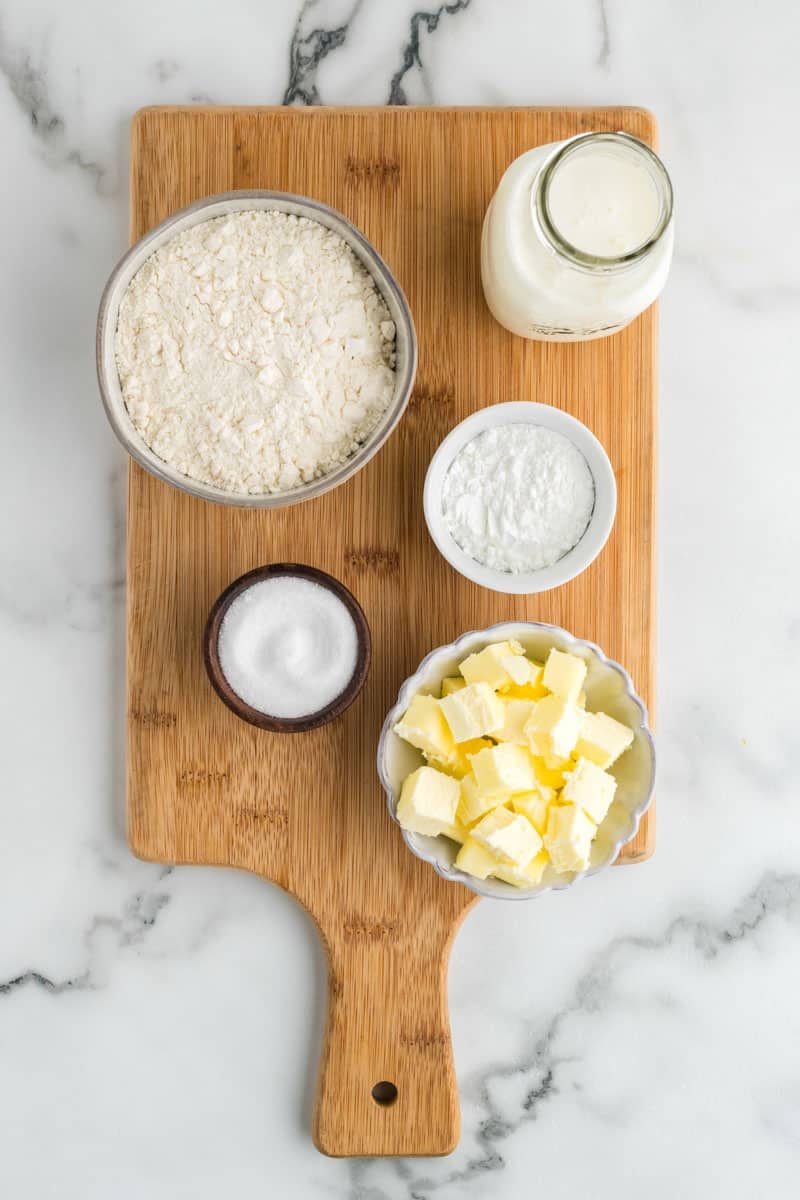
608 689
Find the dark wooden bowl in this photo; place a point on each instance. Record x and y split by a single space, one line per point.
241 707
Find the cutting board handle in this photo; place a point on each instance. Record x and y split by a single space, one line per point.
387 1081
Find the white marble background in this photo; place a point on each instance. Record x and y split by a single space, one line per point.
638 1036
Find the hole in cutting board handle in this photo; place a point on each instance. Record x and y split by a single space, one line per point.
384 1093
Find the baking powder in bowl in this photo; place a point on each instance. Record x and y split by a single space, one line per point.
288 647
518 497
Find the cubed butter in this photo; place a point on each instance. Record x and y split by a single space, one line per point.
456 832
553 727
474 859
552 777
428 802
602 739
472 711
424 726
568 837
487 665
472 804
507 835
459 764
590 788
534 806
516 714
519 668
527 876
564 674
526 691
453 683
504 769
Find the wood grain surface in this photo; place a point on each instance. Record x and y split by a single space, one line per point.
306 810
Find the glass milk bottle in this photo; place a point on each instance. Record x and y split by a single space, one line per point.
577 240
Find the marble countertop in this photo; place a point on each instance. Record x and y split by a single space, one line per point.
159 1029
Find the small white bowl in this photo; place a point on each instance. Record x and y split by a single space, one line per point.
523 412
608 689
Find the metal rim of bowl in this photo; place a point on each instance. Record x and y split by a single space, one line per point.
415 681
244 200
594 537
234 701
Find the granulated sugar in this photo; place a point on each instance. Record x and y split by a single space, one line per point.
288 646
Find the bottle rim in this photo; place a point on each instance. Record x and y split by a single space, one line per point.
541 203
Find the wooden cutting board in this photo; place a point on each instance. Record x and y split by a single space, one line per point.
307 811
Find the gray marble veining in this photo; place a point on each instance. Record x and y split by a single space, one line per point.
159 1029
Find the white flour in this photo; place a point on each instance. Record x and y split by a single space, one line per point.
254 352
518 497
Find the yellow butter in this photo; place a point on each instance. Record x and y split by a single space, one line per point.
507 835
527 876
423 725
602 739
504 769
526 691
453 683
518 668
472 804
564 674
473 859
554 727
534 806
459 764
455 832
515 715
552 775
472 711
428 802
487 665
591 789
568 837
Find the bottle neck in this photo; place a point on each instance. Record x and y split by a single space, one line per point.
602 202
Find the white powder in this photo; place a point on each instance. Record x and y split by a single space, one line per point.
254 352
288 646
518 497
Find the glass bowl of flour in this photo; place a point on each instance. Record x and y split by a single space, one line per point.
520 497
254 349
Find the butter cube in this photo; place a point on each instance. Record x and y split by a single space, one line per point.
568 837
473 859
504 769
552 776
520 668
516 714
554 727
602 739
534 806
456 832
591 789
564 674
424 726
526 691
487 665
459 764
527 876
472 805
508 836
428 802
453 683
472 711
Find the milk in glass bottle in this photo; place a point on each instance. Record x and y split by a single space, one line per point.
577 240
